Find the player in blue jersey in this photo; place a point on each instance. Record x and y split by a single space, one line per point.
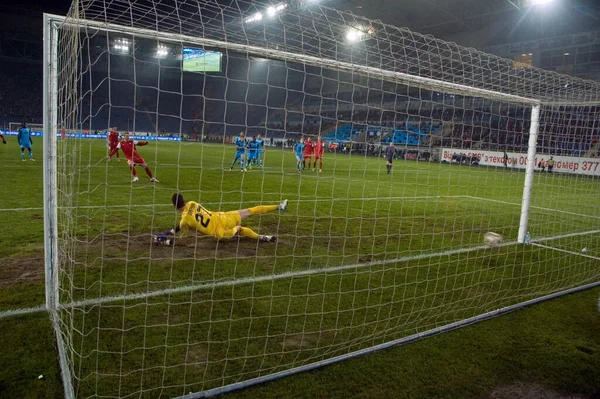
24 138
240 150
299 150
252 153
259 154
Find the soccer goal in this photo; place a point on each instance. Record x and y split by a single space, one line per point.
426 147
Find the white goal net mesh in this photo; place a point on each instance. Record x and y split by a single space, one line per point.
365 254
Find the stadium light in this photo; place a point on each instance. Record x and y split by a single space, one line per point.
274 10
162 51
121 46
539 2
354 35
256 17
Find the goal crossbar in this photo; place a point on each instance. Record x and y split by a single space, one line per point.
390 76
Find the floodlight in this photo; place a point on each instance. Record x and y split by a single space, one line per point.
539 2
354 35
256 17
274 10
162 51
121 45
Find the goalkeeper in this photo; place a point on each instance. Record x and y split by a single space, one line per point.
217 224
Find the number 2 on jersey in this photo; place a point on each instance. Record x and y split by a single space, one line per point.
200 217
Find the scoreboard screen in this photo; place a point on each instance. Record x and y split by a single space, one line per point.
199 60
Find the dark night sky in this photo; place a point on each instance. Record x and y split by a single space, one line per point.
32 7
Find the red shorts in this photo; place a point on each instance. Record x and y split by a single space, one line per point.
307 156
136 161
112 146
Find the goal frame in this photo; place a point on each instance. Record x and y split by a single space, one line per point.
51 265
52 26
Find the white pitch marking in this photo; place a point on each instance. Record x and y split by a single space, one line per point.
565 251
22 311
301 273
534 207
252 280
582 233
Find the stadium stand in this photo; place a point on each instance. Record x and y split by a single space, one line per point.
20 92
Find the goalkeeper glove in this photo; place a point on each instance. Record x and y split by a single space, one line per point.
163 239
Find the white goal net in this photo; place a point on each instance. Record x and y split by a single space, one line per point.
379 242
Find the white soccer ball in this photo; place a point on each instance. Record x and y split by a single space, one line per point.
493 240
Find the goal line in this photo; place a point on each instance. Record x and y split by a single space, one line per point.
274 277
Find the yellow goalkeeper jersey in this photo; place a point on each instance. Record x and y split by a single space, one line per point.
216 224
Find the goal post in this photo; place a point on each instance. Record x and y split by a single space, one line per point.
377 249
529 172
51 256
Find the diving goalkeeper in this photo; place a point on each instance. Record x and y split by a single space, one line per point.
217 224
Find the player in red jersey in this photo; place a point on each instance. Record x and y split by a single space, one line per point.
133 158
319 147
113 142
308 151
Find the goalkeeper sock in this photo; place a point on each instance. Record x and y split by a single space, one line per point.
258 210
246 232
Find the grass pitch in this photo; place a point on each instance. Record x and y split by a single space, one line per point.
363 258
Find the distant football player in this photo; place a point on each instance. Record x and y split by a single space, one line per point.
2 137
225 225
129 148
261 145
550 164
308 152
542 165
299 150
24 138
319 148
390 153
252 153
113 142
240 150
